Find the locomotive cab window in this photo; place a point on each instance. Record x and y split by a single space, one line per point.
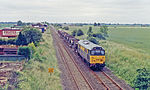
97 52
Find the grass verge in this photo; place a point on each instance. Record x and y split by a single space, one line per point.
124 61
35 75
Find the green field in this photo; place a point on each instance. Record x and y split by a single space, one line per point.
127 49
132 36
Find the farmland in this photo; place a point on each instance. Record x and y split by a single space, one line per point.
127 49
132 36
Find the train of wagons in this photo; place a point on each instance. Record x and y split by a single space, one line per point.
92 54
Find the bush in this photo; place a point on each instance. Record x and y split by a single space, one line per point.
93 40
66 28
33 48
95 24
19 23
37 57
99 35
74 33
80 32
142 80
37 44
26 51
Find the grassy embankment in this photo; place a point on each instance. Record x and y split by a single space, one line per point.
127 49
35 74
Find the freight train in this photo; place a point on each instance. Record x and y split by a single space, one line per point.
92 54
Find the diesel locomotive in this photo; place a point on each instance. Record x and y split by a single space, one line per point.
93 55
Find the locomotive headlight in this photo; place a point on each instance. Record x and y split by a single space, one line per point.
102 52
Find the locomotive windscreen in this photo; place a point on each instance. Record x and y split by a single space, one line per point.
97 52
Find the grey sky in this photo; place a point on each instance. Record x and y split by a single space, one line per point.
113 11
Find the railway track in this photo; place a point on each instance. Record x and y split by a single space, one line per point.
67 65
111 80
61 54
109 85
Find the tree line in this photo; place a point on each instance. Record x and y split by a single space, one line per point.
102 34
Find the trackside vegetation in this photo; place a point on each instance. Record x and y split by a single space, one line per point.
26 51
35 75
125 61
31 37
143 79
80 32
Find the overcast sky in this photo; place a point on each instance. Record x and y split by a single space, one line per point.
107 11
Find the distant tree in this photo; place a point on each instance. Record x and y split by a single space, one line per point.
28 23
98 24
45 23
104 31
142 80
95 24
21 40
58 25
78 24
66 28
19 23
74 33
89 30
80 32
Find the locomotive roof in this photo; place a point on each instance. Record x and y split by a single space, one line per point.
87 44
